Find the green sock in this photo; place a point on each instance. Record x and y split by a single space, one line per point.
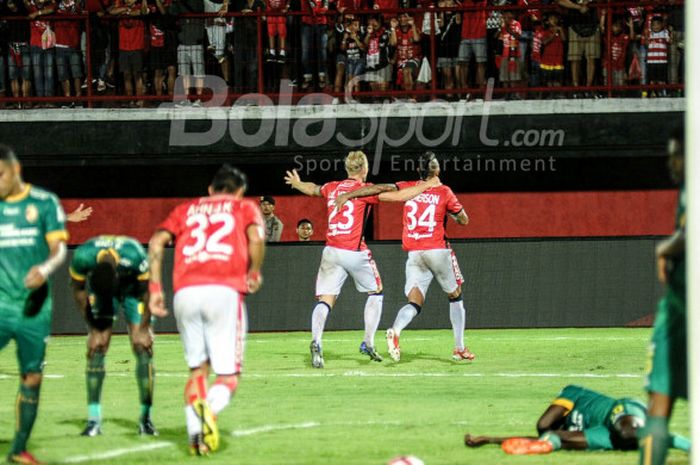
27 406
676 441
94 377
144 378
653 441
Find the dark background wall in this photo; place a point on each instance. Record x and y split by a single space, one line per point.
510 284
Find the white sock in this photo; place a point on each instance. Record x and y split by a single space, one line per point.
318 321
457 317
373 313
218 397
404 317
194 424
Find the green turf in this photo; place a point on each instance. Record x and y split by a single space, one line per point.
352 412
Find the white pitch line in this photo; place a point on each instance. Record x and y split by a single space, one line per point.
2 377
117 452
270 428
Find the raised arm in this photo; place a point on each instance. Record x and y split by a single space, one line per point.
366 191
156 245
407 194
308 188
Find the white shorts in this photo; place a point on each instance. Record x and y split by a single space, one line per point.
212 323
423 265
337 264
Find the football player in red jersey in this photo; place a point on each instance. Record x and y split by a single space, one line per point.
429 253
346 252
219 250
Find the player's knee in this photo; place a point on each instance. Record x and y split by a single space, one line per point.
32 380
97 349
228 381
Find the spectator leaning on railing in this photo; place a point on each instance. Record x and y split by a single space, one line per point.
42 42
69 60
162 54
552 60
132 44
408 56
190 49
450 23
377 43
19 64
584 38
314 42
473 43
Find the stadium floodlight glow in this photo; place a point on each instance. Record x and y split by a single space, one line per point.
692 148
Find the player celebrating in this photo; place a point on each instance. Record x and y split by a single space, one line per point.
109 272
219 250
346 252
668 377
32 246
581 419
429 253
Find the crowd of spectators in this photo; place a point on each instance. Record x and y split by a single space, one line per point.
139 47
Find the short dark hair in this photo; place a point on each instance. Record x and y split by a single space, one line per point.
424 162
304 220
229 179
7 154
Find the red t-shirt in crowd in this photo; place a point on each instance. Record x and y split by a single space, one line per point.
618 47
553 52
511 43
536 52
36 27
211 241
474 22
132 31
316 10
406 48
68 32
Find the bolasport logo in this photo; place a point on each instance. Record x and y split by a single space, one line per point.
278 124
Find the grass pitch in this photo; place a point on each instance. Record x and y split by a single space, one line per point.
352 412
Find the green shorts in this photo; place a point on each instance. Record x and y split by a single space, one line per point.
101 316
667 370
30 335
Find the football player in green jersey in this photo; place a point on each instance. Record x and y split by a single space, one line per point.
667 377
581 419
32 245
110 272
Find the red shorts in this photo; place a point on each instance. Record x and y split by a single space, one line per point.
277 26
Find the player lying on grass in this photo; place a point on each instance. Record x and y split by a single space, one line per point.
32 247
581 419
110 272
429 253
219 251
667 379
346 252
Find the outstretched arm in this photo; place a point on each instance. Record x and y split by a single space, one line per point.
366 191
79 215
410 192
308 188
156 245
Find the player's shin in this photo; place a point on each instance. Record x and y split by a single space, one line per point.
407 313
458 318
195 391
145 377
318 320
373 313
653 441
94 378
27 406
220 393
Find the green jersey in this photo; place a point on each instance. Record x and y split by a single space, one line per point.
676 280
596 414
131 258
28 222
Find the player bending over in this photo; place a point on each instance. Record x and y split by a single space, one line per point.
581 419
429 253
32 246
219 250
346 252
109 273
668 377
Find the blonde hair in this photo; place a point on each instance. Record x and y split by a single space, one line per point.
355 162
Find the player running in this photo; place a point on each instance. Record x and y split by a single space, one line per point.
667 379
32 245
219 250
429 253
109 273
346 252
581 419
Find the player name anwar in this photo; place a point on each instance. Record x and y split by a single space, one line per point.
210 208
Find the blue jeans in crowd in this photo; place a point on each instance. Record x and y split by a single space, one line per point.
314 38
43 65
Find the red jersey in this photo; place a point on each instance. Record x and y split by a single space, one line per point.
618 48
211 244
425 215
511 43
346 227
406 48
537 37
68 32
553 52
132 31
474 22
36 27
